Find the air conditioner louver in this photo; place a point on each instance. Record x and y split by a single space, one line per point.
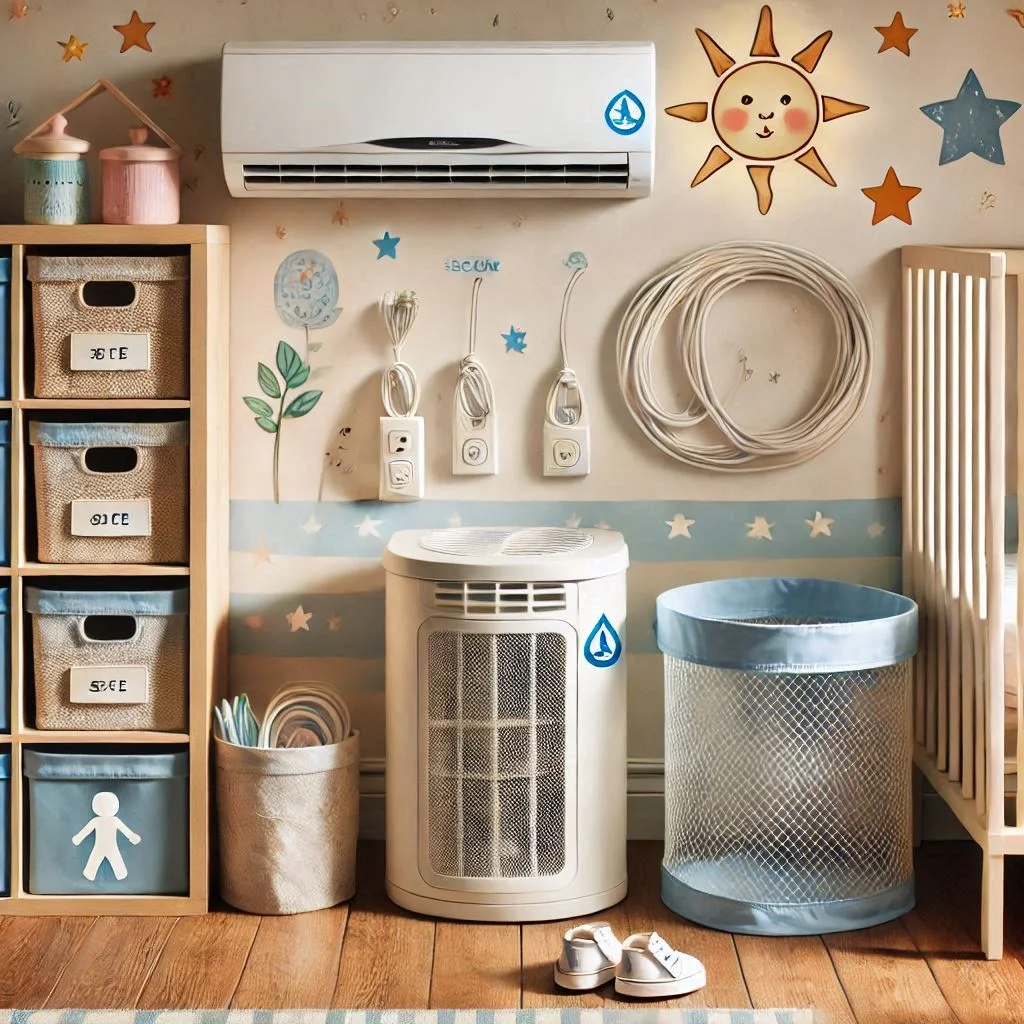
499 598
309 176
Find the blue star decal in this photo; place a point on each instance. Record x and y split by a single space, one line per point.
514 340
971 122
387 246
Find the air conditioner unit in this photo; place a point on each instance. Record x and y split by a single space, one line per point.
438 119
506 722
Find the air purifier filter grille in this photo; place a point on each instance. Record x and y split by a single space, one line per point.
481 542
496 754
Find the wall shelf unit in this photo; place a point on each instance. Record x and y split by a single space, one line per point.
206 573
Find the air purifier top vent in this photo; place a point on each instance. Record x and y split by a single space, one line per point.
485 543
499 554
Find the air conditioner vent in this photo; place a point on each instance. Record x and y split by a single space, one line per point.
572 175
499 598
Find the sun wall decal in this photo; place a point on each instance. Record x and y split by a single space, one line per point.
765 109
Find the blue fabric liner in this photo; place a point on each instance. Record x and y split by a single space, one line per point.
5 432
853 627
39 764
5 766
781 918
5 600
87 435
5 269
106 602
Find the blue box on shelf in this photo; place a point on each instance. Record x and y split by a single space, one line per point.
5 820
109 823
5 660
5 491
5 326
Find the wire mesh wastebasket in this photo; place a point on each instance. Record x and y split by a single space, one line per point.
788 744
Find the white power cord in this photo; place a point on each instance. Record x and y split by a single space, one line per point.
693 285
399 388
474 437
402 461
566 430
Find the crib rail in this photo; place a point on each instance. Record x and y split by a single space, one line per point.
954 488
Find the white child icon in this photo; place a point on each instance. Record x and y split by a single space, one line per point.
106 825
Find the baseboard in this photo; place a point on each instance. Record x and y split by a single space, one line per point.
645 805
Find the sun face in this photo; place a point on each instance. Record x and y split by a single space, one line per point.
765 110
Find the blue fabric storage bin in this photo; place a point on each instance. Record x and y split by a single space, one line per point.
5 820
5 661
128 813
5 327
5 492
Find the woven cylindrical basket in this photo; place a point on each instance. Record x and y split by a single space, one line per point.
148 333
159 479
288 821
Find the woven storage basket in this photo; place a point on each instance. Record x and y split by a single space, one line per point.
158 485
149 335
288 823
87 683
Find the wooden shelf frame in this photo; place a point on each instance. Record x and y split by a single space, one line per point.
206 573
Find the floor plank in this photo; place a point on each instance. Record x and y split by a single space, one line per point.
476 966
944 927
201 962
886 979
388 954
113 963
293 962
793 972
34 951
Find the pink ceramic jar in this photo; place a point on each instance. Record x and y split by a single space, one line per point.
141 183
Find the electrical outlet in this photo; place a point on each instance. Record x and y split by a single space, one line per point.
566 449
402 458
474 448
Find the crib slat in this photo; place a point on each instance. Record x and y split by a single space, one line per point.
981 480
916 497
929 634
993 320
1019 820
941 580
967 479
952 286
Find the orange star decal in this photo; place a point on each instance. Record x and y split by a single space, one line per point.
161 86
896 35
891 198
1017 14
74 48
135 33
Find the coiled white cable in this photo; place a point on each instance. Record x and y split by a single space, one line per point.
473 390
693 285
565 399
399 388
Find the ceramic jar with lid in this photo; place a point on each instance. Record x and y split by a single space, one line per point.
141 183
56 176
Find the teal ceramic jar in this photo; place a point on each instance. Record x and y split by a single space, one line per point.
56 176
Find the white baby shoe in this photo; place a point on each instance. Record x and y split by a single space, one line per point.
590 956
651 969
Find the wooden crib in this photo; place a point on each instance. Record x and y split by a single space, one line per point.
961 444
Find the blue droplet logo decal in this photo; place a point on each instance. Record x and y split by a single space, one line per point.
625 113
603 647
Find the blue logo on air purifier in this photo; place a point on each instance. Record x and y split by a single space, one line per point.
625 113
603 647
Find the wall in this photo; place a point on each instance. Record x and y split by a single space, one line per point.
319 549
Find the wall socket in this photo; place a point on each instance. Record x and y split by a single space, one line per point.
402 458
566 449
474 448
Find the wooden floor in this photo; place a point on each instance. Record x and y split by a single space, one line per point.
925 968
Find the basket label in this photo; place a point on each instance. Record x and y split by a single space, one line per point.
111 518
109 684
100 350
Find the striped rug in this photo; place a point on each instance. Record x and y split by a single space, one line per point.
555 1016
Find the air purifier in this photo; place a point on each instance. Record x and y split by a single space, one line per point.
506 722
